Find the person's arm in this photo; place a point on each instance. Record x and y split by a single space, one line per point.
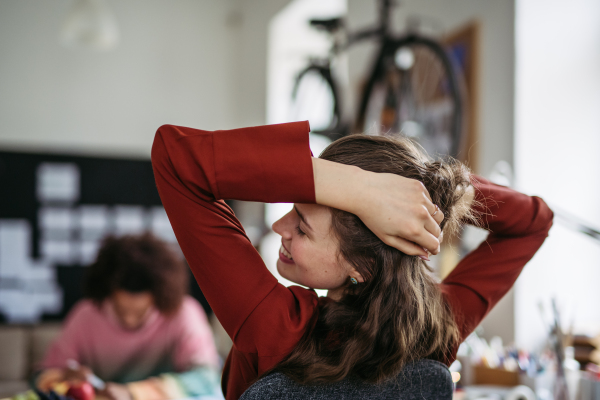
195 169
67 346
396 209
518 226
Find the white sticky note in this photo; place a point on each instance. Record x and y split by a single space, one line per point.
94 220
88 251
58 251
129 220
15 246
58 182
160 225
57 218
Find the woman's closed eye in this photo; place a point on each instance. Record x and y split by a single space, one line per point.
300 231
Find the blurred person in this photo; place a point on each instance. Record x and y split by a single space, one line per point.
366 215
136 328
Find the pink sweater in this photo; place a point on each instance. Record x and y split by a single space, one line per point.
93 337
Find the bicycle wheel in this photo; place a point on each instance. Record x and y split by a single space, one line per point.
414 91
314 98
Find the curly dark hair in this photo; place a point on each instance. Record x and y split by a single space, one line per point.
138 263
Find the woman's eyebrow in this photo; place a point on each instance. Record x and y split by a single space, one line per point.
302 218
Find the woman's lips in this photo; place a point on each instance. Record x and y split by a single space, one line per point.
285 256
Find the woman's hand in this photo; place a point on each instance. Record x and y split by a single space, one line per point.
396 209
400 212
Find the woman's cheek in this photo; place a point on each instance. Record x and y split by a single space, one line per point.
297 251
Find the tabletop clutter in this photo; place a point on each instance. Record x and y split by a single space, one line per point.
490 370
565 367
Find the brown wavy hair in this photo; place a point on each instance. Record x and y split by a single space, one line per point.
397 315
138 263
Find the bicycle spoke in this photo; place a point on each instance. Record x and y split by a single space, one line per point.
422 106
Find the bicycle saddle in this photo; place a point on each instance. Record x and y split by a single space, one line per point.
329 25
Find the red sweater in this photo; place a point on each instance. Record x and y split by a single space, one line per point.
195 170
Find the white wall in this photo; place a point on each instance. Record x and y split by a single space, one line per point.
174 65
557 142
250 73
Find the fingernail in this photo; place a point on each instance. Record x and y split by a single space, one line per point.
424 258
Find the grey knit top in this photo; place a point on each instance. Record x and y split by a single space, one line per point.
420 380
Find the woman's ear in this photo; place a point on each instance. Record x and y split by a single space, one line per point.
356 275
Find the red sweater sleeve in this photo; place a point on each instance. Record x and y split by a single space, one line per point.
518 226
194 170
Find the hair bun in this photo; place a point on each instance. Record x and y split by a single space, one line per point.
447 182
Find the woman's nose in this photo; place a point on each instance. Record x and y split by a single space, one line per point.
283 226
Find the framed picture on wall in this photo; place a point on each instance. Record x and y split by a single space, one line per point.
463 45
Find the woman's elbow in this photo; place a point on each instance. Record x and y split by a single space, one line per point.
544 218
159 153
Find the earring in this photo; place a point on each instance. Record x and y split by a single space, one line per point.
353 280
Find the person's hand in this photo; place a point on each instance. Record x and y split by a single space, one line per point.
116 391
48 378
77 373
52 376
396 209
400 212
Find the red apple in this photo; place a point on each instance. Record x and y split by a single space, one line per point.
81 391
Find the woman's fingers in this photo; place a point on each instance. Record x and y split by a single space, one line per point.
433 227
429 242
438 216
410 248
434 211
405 246
432 208
425 191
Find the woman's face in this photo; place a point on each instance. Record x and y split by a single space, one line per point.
309 250
132 309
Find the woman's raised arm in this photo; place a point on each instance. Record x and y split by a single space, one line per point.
195 169
396 209
518 226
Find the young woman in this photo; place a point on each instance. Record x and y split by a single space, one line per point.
135 323
365 215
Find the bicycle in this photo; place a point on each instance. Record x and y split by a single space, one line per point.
413 88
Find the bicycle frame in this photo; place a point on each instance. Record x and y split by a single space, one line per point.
381 30
387 45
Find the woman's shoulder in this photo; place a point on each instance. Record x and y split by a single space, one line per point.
190 307
84 308
84 313
190 313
